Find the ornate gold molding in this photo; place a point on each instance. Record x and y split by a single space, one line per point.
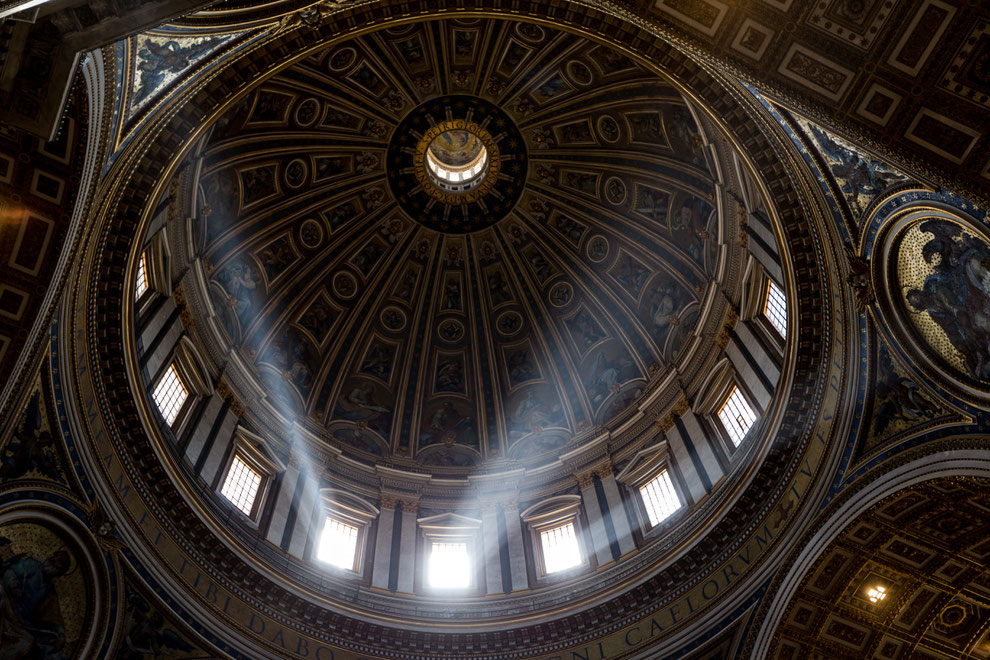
225 393
860 280
725 334
492 169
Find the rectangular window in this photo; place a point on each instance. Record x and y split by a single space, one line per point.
560 548
737 416
241 486
141 285
659 498
775 308
338 544
450 565
170 394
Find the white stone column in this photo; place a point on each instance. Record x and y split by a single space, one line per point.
514 539
616 510
383 543
703 445
758 359
682 458
283 500
599 537
407 547
491 544
201 432
214 460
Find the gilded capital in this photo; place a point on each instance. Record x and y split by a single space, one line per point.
585 479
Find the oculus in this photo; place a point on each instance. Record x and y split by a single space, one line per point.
457 160
458 175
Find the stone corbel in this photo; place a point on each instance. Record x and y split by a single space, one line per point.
859 279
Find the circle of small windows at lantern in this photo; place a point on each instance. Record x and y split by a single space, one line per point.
457 161
459 174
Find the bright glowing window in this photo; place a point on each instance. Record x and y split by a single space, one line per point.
338 544
659 498
170 394
241 485
141 285
560 548
450 565
737 416
775 308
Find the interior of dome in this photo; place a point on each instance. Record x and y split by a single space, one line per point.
452 332
558 331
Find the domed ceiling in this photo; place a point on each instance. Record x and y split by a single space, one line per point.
396 320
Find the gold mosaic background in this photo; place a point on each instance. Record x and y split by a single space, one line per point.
912 269
40 542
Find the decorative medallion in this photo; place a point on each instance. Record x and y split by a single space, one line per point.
393 318
311 233
597 249
307 111
296 173
344 285
342 59
579 72
615 190
49 583
450 331
509 323
561 294
608 128
458 175
530 31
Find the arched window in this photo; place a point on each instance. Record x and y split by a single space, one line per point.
775 307
659 498
649 475
556 535
343 538
737 415
170 394
141 281
451 545
248 474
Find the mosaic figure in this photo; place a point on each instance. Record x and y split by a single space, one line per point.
38 576
148 634
155 59
32 448
956 295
